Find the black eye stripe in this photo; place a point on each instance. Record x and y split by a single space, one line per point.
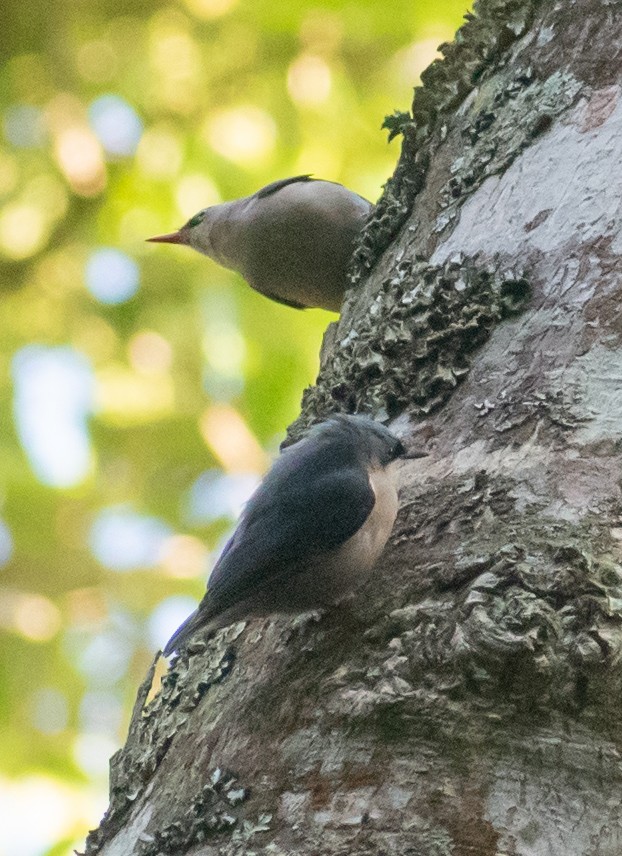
194 221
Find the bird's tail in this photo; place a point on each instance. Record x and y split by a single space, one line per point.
198 619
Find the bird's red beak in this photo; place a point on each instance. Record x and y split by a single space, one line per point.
172 238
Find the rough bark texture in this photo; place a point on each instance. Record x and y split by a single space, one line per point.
473 706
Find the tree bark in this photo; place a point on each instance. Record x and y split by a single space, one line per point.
472 707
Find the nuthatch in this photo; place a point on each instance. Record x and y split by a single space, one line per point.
311 532
291 241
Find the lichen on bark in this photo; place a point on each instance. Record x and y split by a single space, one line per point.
153 728
479 46
415 343
510 111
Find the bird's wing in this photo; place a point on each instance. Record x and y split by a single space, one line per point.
269 189
293 304
303 515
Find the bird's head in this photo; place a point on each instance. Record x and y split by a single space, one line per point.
195 233
372 443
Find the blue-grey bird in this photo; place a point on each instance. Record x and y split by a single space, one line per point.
291 241
312 531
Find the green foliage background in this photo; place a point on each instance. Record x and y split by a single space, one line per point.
194 373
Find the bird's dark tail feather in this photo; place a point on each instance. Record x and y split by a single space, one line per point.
199 618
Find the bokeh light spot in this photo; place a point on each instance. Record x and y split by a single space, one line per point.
224 348
95 337
309 80
22 230
6 543
37 618
116 124
87 608
223 344
214 496
166 618
23 126
80 158
195 192
176 63
92 753
127 397
244 135
185 557
101 712
210 9
231 440
112 276
53 398
409 62
124 540
137 222
49 710
105 657
58 809
174 53
31 615
160 152
27 74
322 30
49 193
150 353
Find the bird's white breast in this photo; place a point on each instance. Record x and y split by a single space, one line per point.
352 563
370 539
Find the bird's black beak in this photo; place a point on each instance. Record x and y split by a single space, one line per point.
413 454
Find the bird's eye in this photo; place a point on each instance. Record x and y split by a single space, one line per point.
194 221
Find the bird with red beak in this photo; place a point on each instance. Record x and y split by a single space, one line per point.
291 241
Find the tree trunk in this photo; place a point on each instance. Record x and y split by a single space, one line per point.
474 708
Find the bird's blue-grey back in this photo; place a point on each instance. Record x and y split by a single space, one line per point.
316 496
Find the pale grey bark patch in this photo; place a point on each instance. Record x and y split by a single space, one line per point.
503 120
565 189
549 807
